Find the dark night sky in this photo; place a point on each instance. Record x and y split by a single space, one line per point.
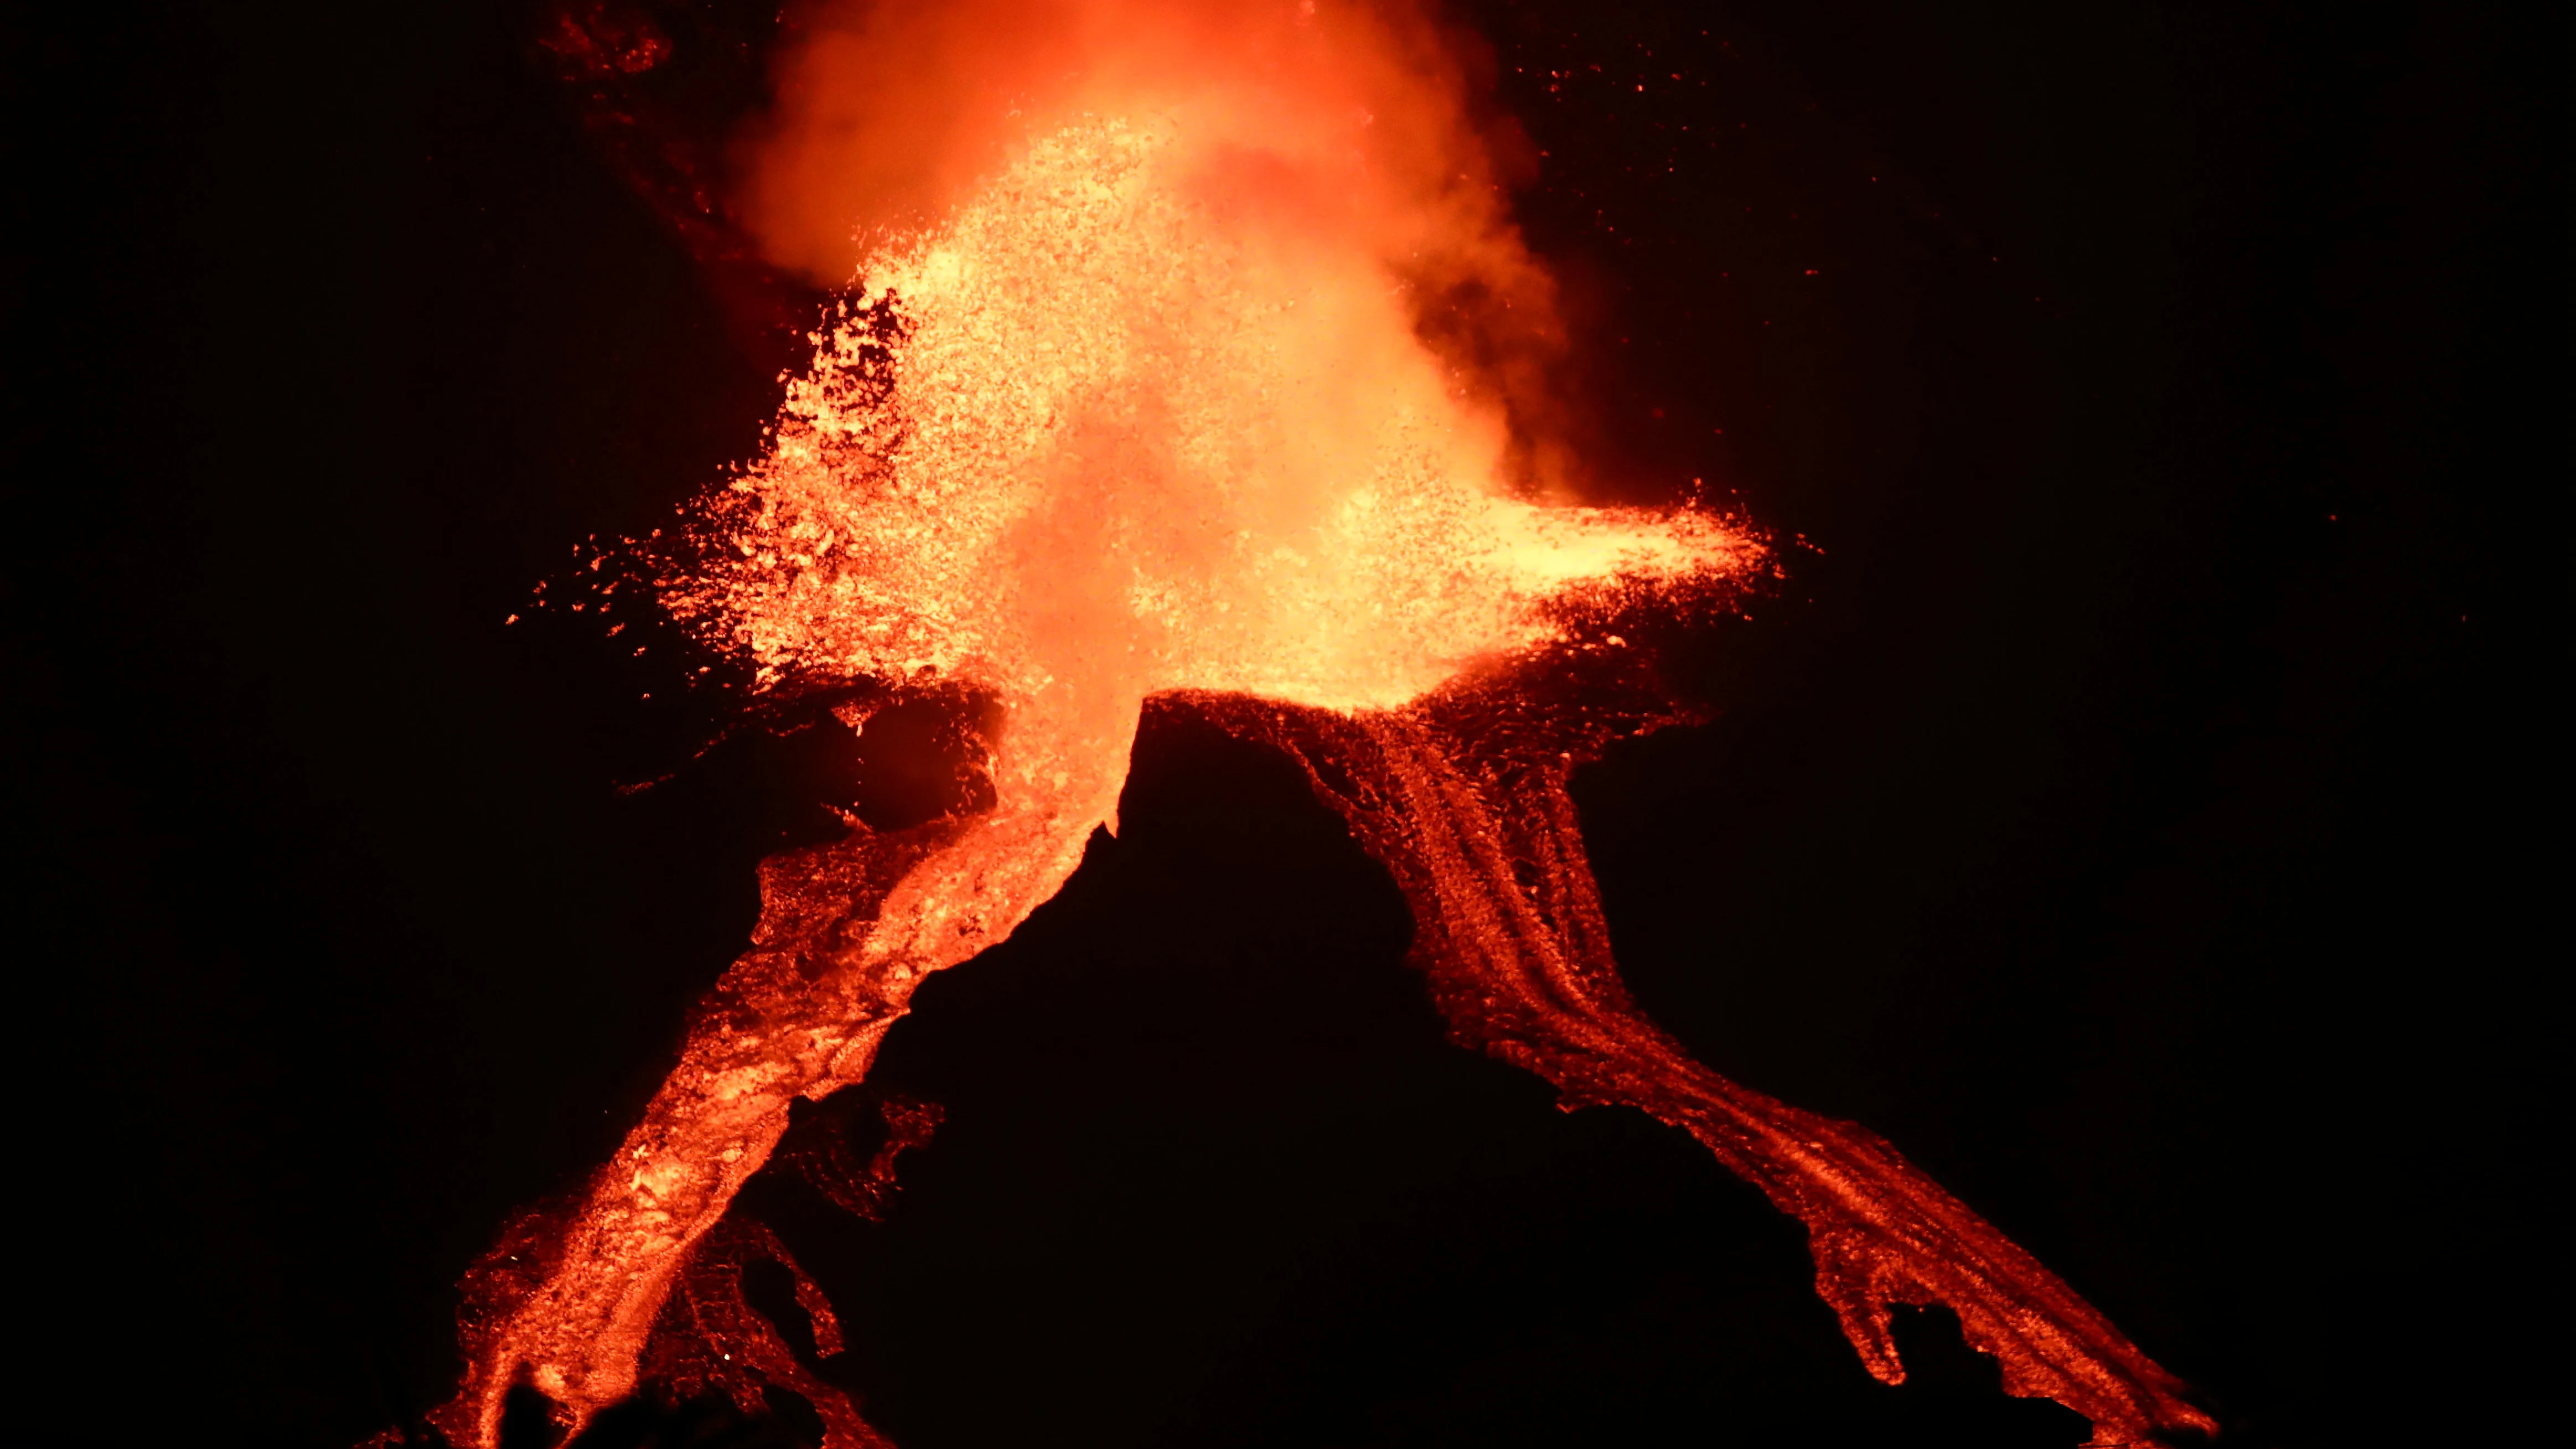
2134 804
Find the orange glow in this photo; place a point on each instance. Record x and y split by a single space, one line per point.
1188 356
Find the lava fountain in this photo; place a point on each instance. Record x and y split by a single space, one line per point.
1193 357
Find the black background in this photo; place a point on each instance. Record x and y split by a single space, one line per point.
2134 803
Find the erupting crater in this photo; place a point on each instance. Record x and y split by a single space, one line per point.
1155 406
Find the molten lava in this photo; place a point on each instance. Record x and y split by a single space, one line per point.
1147 408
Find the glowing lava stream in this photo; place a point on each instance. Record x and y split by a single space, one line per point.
1149 416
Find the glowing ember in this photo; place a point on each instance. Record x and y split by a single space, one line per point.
1149 411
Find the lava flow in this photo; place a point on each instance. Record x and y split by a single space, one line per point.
1192 359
